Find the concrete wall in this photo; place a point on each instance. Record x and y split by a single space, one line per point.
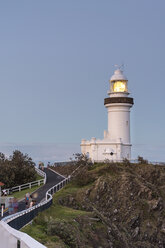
9 238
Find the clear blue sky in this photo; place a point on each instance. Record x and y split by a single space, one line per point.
56 58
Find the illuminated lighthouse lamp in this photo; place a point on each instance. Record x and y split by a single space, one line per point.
119 86
118 82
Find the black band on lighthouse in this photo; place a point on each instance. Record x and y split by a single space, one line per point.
110 100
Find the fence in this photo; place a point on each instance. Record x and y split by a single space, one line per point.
41 173
29 185
62 163
133 161
10 238
20 219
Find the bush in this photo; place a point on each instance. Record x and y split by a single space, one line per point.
82 175
141 160
16 170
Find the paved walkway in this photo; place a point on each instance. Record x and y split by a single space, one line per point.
52 179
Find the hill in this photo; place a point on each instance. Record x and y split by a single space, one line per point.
106 205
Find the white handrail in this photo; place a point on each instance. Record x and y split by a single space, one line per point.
41 173
10 238
48 198
18 236
30 184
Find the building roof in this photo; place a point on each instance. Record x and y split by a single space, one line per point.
118 75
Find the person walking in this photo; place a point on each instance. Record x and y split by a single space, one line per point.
27 196
11 210
15 205
30 201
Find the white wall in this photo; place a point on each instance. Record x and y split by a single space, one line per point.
9 237
97 150
119 122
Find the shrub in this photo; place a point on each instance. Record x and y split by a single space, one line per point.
141 160
16 170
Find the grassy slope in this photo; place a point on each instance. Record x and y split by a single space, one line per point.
38 229
20 194
62 214
131 197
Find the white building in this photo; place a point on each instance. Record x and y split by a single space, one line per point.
116 144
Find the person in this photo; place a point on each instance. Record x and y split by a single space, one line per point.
31 201
11 210
34 202
31 204
27 196
15 205
42 168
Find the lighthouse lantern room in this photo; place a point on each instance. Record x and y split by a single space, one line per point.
116 144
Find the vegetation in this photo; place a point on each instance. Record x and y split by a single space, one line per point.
21 194
106 205
16 170
60 219
141 160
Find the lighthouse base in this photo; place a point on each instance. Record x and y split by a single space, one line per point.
101 150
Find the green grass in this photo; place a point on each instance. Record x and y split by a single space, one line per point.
38 229
21 194
37 232
58 211
39 177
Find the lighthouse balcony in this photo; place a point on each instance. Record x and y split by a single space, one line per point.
110 100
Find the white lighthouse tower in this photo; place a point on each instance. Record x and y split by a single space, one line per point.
116 144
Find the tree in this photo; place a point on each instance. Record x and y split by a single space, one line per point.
141 160
16 170
82 175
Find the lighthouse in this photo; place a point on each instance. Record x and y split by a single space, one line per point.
116 144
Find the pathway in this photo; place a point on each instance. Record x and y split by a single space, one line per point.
52 179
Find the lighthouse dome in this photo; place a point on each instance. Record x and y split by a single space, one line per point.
118 75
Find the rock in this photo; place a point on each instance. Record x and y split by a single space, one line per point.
148 224
88 192
115 211
156 204
136 232
163 228
97 197
104 186
128 203
135 221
